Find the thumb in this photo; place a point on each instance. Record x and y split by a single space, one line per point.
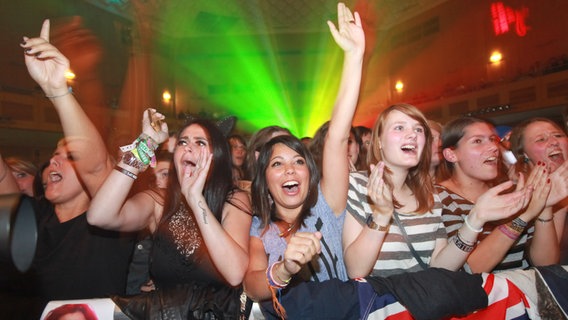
318 235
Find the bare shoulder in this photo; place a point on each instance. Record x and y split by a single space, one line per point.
241 200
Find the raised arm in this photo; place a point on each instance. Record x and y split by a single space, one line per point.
47 66
351 39
110 208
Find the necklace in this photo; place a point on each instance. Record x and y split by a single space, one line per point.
287 232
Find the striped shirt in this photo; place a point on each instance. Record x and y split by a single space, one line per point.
454 210
423 230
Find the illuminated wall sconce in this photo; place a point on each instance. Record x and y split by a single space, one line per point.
496 57
399 86
166 96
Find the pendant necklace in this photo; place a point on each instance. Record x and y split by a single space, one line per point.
287 232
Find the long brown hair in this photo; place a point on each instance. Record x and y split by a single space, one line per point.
219 186
418 178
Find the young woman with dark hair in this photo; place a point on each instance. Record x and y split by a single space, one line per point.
296 233
200 234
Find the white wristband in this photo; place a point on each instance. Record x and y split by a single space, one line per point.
470 227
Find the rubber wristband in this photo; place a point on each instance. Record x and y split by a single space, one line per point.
126 173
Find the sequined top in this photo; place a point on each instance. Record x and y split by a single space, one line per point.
179 255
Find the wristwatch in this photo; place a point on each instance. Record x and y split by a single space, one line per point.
130 159
370 222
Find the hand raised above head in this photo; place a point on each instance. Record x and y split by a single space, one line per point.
45 63
349 34
154 126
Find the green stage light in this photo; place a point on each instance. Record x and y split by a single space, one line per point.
286 79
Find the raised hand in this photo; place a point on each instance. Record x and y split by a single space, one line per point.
46 65
301 249
349 34
540 183
193 178
154 126
380 194
492 205
559 181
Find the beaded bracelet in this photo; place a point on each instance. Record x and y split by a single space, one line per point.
509 232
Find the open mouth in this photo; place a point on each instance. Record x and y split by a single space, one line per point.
291 187
188 163
55 177
409 148
491 160
556 156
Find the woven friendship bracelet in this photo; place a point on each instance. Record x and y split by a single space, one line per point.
509 232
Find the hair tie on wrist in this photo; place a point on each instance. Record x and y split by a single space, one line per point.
543 221
69 91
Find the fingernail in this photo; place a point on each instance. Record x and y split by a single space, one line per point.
548 180
544 171
538 163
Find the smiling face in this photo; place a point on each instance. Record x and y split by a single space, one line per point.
402 140
545 142
287 177
192 144
61 183
477 153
